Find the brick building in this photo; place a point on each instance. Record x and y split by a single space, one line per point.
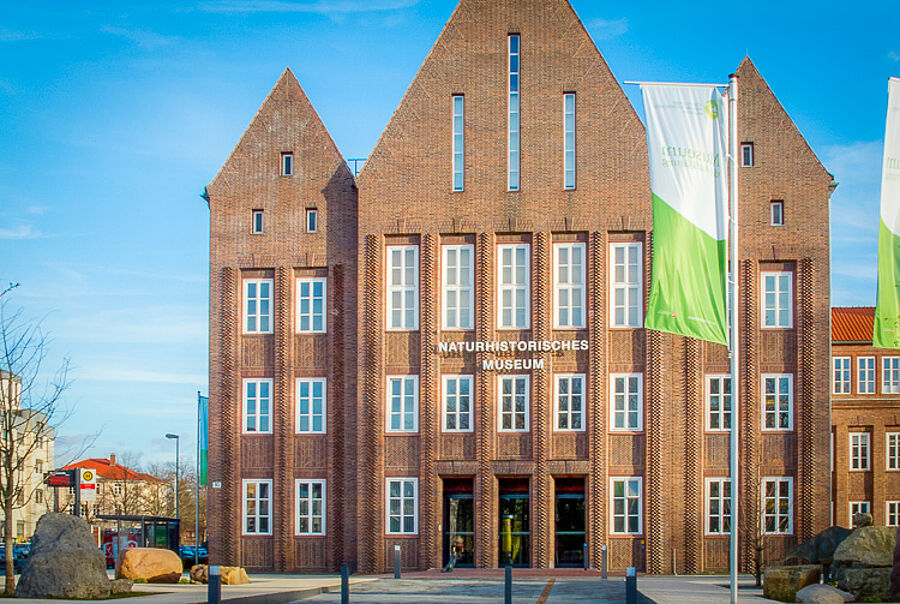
865 418
449 348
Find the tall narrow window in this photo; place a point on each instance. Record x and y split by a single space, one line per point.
568 302
402 506
569 402
718 402
778 402
776 213
865 375
859 451
312 220
287 164
310 506
403 403
746 155
257 305
841 375
625 282
514 282
257 507
513 179
514 404
458 275
718 506
626 509
890 375
459 102
626 402
776 302
257 406
403 287
311 305
569 140
257 227
892 442
311 404
457 403
777 506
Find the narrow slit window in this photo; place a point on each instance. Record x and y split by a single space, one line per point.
287 164
312 220
459 102
776 211
747 155
513 176
257 222
569 140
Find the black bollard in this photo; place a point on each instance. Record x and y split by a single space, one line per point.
214 589
345 584
630 586
603 563
584 557
507 586
396 561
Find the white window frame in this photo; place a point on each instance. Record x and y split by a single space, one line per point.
244 398
721 413
892 516
310 415
840 367
458 287
458 142
387 508
575 290
626 286
865 385
310 501
625 410
245 301
514 286
722 516
777 308
257 516
257 227
403 288
892 451
445 396
558 412
388 409
512 412
752 161
860 447
778 480
779 219
890 375
862 507
777 411
569 142
312 220
513 115
310 314
287 163
627 480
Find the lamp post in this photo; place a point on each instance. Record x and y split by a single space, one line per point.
170 437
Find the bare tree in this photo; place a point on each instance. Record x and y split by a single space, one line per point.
30 405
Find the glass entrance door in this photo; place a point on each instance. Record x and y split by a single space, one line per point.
570 529
459 531
515 530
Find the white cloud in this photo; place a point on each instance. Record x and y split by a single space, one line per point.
894 56
22 232
143 38
323 7
607 29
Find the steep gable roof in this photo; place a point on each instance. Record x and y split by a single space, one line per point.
852 324
112 471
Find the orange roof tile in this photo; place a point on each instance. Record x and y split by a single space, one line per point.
852 323
111 471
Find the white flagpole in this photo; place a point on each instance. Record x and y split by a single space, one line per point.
733 340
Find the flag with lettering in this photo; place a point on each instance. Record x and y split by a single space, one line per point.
887 307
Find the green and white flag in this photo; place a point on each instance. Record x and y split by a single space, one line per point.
887 309
687 138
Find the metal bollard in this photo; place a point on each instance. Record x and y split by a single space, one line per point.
630 586
345 584
214 589
584 557
603 563
507 585
396 561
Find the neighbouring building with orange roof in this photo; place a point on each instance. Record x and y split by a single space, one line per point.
865 420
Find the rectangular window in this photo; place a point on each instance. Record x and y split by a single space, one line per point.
257 305
310 506
514 403
513 116
718 506
568 301
459 280
859 451
258 406
257 507
841 375
403 287
311 301
287 164
892 513
459 102
457 403
626 402
777 506
569 140
311 405
858 507
514 281
402 506
625 277
403 403
746 155
718 403
778 402
892 442
257 227
626 510
312 220
776 212
890 375
865 375
776 302
569 402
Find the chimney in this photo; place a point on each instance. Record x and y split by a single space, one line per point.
112 459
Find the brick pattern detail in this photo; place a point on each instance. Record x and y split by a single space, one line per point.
337 430
283 421
806 399
485 544
229 415
597 480
748 412
656 496
693 452
429 412
542 406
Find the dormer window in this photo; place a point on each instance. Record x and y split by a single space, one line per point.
287 164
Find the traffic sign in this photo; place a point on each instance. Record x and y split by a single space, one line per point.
88 484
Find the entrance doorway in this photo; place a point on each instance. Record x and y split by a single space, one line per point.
515 525
459 521
570 521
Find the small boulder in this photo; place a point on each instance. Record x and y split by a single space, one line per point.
862 519
867 582
867 546
823 594
120 586
199 573
783 582
151 564
233 575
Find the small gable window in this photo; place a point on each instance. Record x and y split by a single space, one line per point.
287 164
776 210
312 220
747 155
257 221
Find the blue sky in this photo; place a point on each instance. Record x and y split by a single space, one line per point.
113 117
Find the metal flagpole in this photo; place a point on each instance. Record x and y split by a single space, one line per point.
733 339
197 495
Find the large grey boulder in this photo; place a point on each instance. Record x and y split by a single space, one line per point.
65 562
867 582
823 594
867 546
895 573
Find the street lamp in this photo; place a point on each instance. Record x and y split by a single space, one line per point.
170 437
